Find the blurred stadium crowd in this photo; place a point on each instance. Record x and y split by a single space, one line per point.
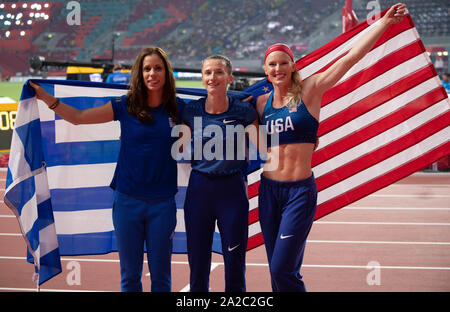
187 29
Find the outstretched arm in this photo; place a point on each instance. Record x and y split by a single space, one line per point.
323 81
75 116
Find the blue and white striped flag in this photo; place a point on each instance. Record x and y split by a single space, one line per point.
59 176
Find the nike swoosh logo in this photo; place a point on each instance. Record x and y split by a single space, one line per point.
287 236
228 121
233 248
267 116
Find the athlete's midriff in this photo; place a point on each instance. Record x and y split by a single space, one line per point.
289 162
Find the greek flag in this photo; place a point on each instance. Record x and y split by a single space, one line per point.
59 175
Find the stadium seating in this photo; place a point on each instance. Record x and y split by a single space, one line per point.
187 29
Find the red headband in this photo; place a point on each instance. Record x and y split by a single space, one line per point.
279 47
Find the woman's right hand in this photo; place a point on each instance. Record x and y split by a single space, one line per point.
41 94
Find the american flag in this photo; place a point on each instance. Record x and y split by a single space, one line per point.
385 119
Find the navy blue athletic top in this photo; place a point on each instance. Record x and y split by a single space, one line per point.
222 136
145 168
295 126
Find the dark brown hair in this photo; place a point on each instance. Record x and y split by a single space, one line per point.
137 96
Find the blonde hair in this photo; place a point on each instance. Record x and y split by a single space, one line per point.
295 90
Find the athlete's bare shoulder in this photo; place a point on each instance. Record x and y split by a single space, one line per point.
261 103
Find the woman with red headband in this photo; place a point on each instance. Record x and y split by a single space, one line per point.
288 193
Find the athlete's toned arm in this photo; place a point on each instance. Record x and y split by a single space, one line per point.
75 116
315 85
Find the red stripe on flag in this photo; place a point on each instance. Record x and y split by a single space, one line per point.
255 241
381 154
382 66
342 39
253 216
382 181
380 164
379 126
253 190
394 31
375 99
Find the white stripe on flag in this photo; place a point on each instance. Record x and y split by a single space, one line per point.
383 167
27 111
48 240
67 132
374 85
312 68
80 176
189 97
62 91
254 228
45 113
41 187
18 165
380 140
83 221
253 203
29 214
378 112
374 56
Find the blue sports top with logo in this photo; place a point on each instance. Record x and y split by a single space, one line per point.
295 125
145 168
221 135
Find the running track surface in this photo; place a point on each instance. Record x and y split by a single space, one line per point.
397 239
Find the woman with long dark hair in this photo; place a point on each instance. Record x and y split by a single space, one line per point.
145 179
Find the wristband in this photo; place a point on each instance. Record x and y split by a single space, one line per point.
54 105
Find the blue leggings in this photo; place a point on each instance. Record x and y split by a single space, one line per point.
224 199
152 222
286 214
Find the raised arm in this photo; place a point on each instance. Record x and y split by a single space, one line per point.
75 116
321 82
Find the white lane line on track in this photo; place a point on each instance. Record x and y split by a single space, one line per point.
395 208
410 195
310 241
419 185
187 288
375 242
342 266
216 264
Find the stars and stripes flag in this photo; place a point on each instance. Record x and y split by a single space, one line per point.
385 119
